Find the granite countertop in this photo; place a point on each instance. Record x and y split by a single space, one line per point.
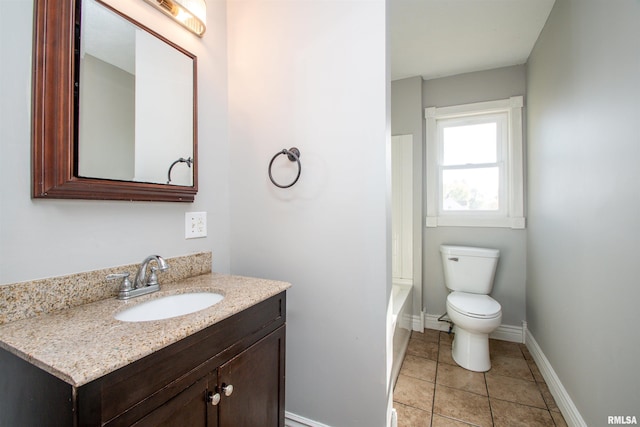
83 343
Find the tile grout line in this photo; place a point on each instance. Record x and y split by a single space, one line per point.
486 385
435 382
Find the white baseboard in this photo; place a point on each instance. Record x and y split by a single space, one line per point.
559 393
417 322
509 333
293 420
431 322
504 332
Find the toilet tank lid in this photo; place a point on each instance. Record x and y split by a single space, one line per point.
469 251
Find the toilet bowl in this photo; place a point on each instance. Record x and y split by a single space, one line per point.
475 317
469 274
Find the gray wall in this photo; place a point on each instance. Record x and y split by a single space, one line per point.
510 281
584 203
312 74
44 238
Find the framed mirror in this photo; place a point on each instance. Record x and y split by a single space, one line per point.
114 108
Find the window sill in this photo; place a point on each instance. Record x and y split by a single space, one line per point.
457 221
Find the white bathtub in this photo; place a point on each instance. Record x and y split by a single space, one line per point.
401 321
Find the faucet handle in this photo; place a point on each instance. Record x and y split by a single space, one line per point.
125 286
153 277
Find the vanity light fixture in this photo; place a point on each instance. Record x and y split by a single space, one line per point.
191 14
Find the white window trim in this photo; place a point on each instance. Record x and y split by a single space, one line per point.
515 170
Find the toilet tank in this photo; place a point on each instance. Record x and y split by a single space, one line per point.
469 269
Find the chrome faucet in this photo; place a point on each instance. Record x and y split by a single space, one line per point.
140 280
141 285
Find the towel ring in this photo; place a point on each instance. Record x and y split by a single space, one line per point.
293 154
180 160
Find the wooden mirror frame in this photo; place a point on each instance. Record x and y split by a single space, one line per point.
54 122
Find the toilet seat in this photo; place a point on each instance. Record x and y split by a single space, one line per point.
474 305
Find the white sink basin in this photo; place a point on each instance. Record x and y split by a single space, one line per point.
169 306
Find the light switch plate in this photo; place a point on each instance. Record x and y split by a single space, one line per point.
195 225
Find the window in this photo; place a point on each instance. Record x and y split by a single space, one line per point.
474 165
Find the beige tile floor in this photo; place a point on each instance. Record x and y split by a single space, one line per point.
432 391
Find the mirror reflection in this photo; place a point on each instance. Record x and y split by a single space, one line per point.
135 104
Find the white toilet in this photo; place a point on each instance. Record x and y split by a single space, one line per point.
468 274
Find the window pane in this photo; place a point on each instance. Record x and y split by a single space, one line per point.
470 144
470 189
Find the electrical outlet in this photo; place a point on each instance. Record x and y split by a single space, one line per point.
195 225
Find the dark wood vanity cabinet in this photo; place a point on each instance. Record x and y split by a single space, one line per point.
255 399
179 385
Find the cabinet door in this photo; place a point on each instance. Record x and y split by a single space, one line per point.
188 408
257 377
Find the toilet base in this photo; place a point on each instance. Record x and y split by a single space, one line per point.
471 350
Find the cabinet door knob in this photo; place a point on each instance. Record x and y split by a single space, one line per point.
214 399
227 389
